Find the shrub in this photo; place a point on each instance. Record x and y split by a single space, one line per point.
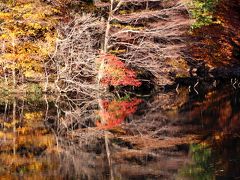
202 11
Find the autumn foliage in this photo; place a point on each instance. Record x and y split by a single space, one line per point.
27 35
218 43
114 112
116 73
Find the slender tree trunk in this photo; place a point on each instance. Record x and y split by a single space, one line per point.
108 26
101 68
14 63
46 76
108 156
14 76
14 122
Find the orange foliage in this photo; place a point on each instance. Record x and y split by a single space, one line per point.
116 73
219 42
114 112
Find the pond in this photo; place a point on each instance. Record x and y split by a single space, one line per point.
171 135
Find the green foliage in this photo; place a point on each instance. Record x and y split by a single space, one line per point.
34 88
201 168
202 11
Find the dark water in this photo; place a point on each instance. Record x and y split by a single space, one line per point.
170 136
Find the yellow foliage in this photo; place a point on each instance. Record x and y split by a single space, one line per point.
6 136
10 124
28 35
33 116
4 16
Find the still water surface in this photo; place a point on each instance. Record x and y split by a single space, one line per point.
170 136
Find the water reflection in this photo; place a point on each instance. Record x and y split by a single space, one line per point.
212 161
216 155
115 112
202 166
26 144
171 136
58 137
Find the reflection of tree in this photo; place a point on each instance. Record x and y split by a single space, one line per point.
25 142
115 112
135 149
218 110
218 113
211 159
201 168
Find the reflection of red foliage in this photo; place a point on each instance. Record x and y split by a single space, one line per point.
116 73
114 112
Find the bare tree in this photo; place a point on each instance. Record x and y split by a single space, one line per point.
148 38
74 60
145 39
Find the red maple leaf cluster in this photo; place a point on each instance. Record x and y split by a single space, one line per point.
114 112
116 73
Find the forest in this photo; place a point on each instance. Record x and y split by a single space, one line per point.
119 89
